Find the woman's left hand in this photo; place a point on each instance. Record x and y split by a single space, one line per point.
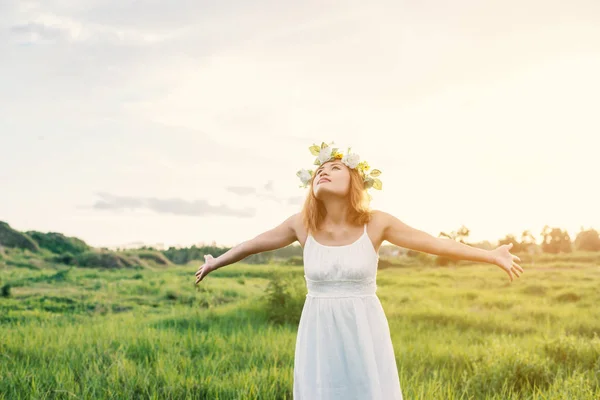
505 260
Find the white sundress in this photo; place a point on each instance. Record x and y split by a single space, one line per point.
343 348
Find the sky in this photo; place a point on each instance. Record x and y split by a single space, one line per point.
184 122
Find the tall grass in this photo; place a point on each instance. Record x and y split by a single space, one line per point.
461 332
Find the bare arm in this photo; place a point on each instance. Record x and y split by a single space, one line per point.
280 236
401 234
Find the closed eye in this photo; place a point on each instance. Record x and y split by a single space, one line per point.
335 166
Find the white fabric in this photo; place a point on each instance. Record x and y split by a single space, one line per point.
343 349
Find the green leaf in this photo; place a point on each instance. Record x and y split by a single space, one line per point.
375 173
323 145
314 150
317 162
377 184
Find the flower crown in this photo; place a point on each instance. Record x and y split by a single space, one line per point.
326 153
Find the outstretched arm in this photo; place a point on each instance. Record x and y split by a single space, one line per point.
403 235
282 235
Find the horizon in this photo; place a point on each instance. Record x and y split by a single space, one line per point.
162 246
119 127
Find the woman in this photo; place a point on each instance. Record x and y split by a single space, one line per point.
344 348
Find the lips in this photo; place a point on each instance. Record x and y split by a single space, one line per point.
324 180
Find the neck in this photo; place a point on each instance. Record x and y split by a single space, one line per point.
336 211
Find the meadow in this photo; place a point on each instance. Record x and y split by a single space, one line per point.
460 332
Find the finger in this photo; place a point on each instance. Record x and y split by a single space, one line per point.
517 266
516 272
509 275
518 258
199 270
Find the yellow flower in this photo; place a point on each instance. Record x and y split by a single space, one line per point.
338 155
363 166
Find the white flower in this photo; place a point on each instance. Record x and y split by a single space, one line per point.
304 176
325 154
351 160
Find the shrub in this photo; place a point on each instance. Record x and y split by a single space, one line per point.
568 297
284 299
152 256
259 258
66 258
58 243
5 291
105 259
12 238
441 261
295 260
386 263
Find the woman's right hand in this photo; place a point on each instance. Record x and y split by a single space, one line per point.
206 268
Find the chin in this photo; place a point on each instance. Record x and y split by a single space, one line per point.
326 191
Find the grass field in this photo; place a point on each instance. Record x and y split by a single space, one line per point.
460 332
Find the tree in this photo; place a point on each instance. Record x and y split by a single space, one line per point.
459 235
587 240
528 242
508 239
555 240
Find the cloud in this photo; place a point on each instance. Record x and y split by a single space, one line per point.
175 206
269 195
248 190
241 190
111 202
41 23
32 31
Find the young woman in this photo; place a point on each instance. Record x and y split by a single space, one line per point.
343 347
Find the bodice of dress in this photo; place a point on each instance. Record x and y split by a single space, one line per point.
340 271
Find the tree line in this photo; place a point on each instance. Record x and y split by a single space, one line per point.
553 240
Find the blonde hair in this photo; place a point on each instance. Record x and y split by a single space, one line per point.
313 210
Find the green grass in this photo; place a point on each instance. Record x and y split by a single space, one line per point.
459 332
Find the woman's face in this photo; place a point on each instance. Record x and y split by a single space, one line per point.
331 178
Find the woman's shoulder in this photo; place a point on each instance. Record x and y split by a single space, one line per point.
377 215
296 222
380 219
